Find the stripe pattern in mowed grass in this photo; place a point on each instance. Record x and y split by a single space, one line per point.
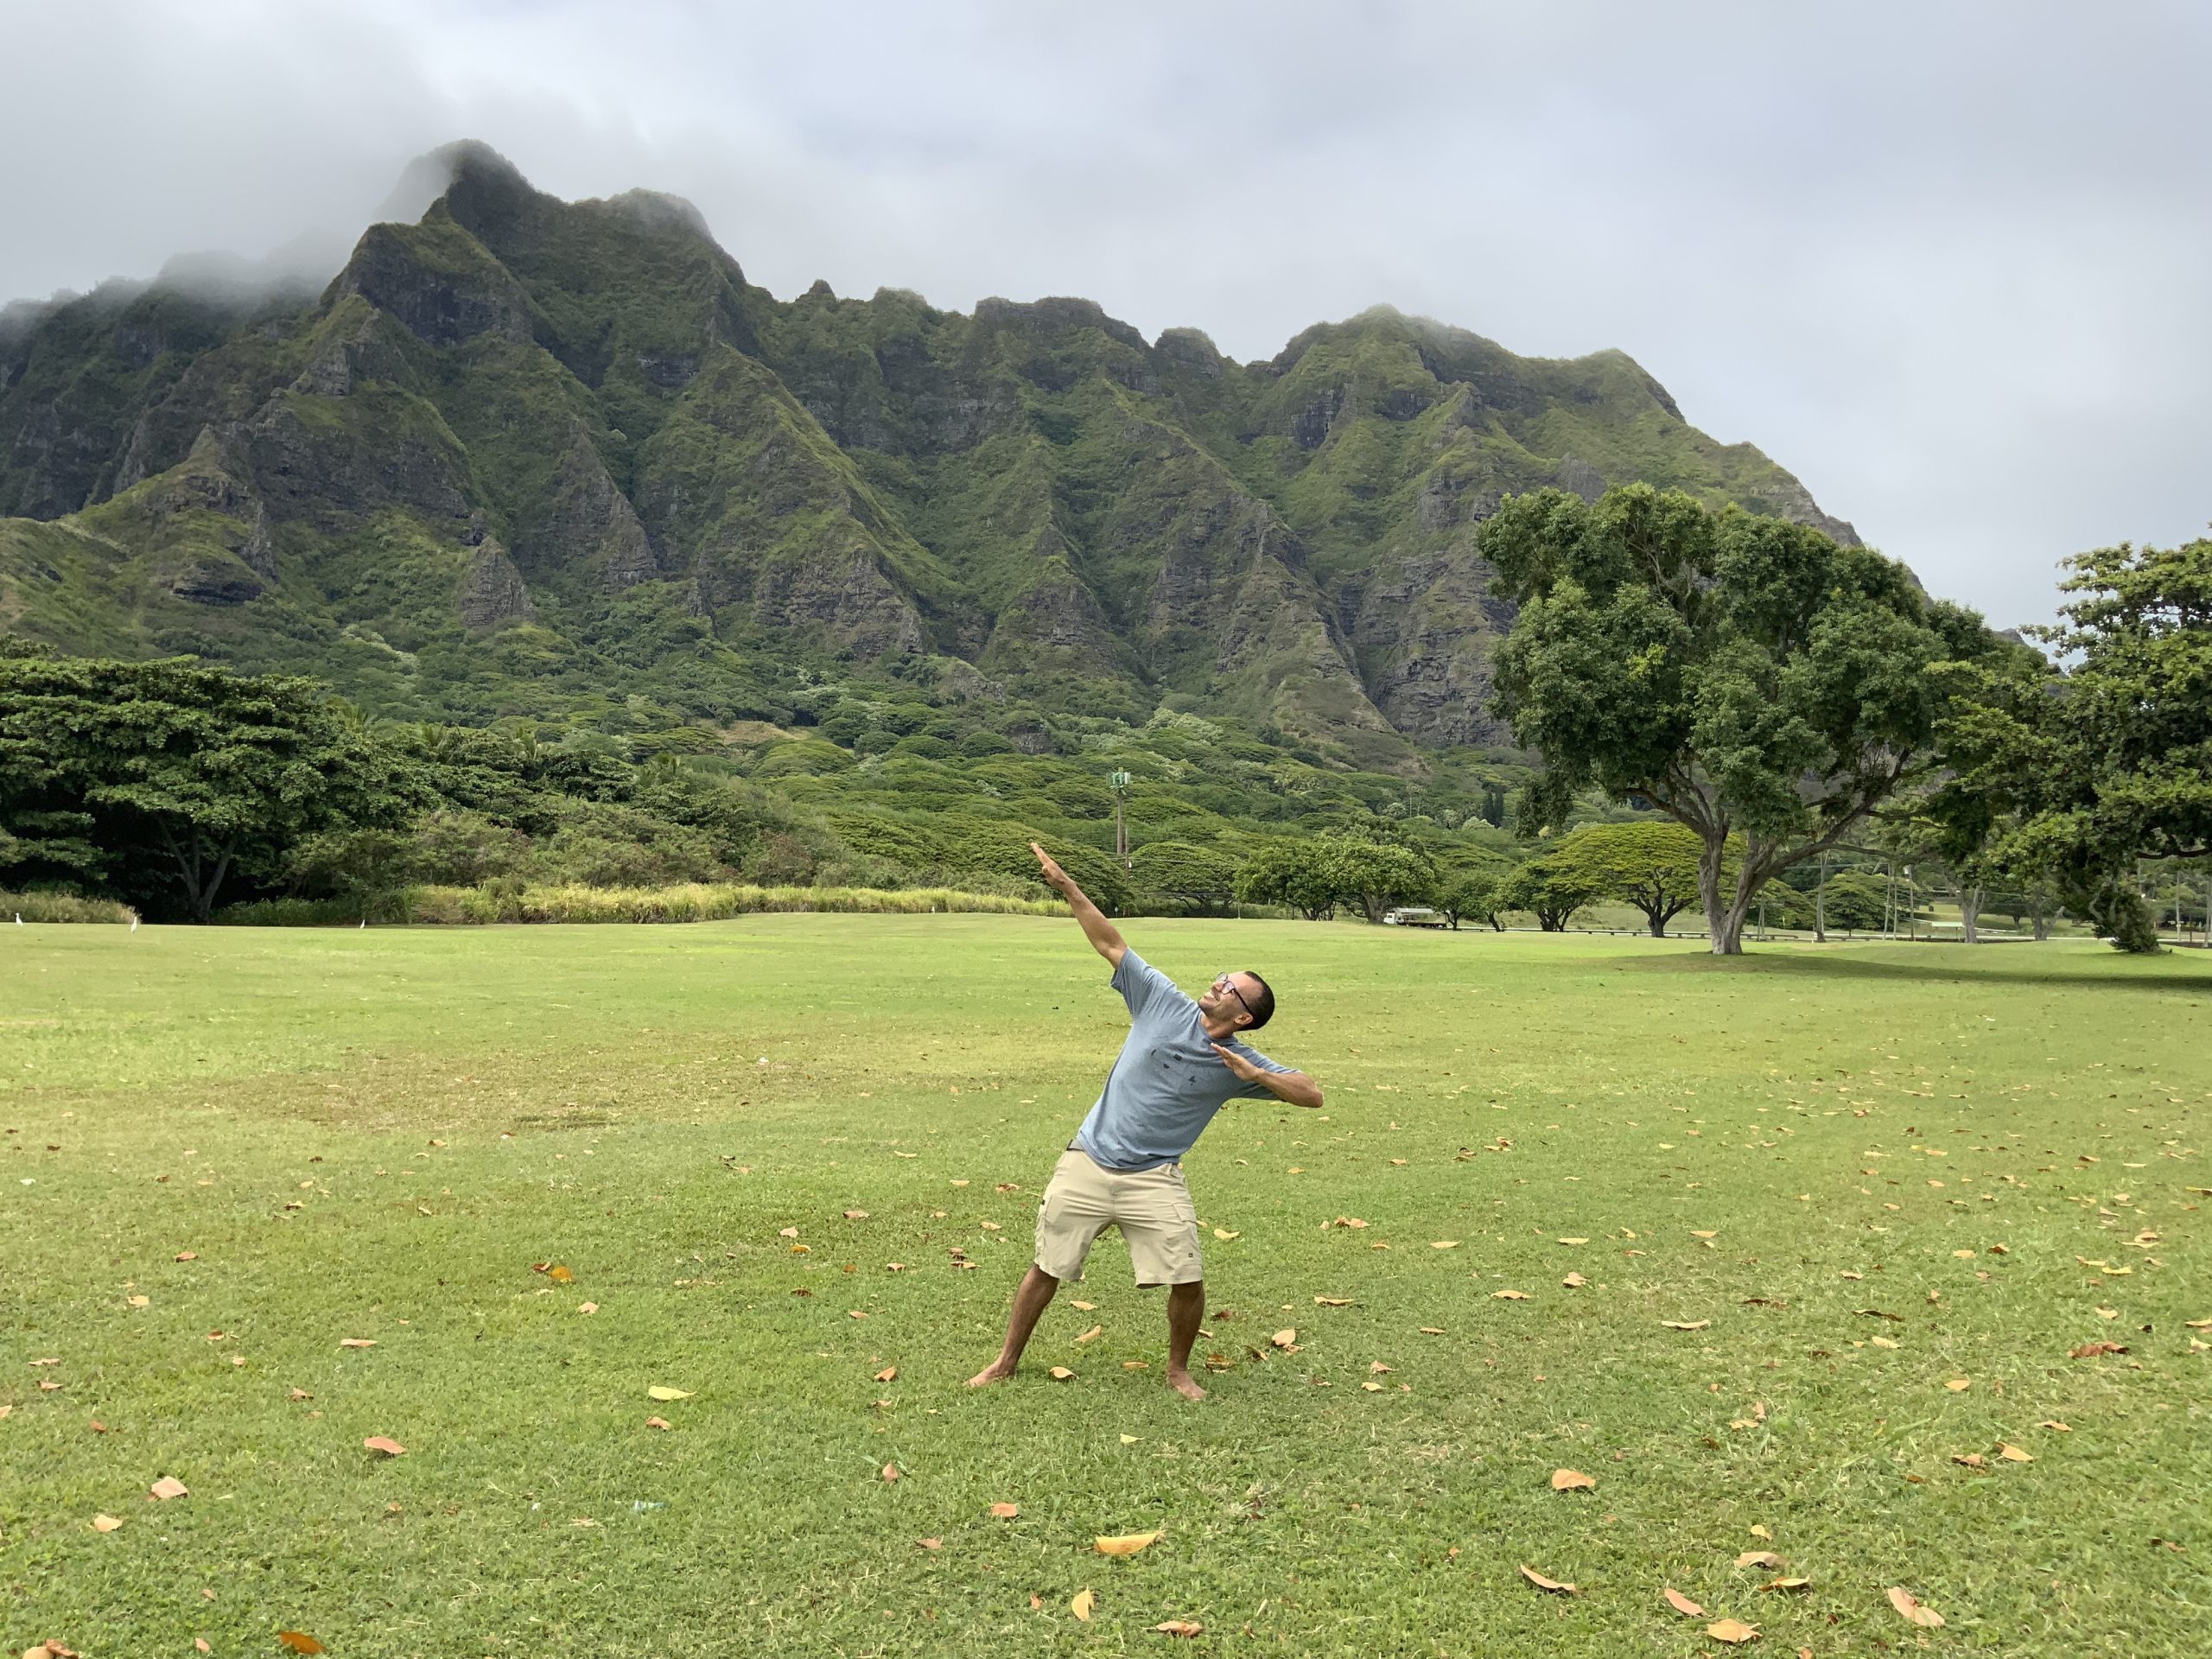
1802 1243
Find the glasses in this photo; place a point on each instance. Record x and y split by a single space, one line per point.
1228 983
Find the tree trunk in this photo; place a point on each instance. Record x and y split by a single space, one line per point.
1728 937
1658 920
1970 913
1725 942
2041 919
1821 905
1496 925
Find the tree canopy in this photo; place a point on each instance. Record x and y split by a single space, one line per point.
2070 775
1653 867
162 780
1746 677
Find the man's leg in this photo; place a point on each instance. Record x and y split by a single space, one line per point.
1186 1306
1029 1299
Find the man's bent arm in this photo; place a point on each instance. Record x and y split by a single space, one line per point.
1105 937
1293 1088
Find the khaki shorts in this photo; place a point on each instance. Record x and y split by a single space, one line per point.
1151 1206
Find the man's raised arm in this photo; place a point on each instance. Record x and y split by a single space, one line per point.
1105 938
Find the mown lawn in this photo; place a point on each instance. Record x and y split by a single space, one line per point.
1888 1188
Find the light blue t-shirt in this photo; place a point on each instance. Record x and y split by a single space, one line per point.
1167 1083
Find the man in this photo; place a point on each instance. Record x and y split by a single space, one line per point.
1182 1061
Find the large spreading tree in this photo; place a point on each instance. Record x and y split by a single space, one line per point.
2067 776
162 781
1750 678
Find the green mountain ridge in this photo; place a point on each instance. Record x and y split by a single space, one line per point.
533 458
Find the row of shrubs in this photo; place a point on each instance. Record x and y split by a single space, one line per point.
690 902
62 907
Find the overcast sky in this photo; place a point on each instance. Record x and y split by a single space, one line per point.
1947 262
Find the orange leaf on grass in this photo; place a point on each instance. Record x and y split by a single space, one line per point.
560 1275
1127 1543
357 1342
1686 1324
1571 1480
1093 1334
888 1374
2012 1454
1059 1373
1908 1604
1006 1511
299 1642
1732 1630
929 1543
1543 1583
1285 1337
170 1486
106 1523
1765 1558
1332 1301
1508 1295
657 1422
1082 1605
386 1445
1179 1627
1575 1281
891 1472
855 1215
1681 1604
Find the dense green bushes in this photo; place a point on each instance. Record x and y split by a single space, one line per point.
39 906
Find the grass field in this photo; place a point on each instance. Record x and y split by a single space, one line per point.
1888 1189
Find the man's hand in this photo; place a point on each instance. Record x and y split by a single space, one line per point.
1101 932
1237 1062
1055 877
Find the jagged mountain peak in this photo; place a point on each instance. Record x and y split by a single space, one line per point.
564 449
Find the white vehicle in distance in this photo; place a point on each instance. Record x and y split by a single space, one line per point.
1414 915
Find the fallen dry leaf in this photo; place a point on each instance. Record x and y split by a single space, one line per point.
2052 1422
106 1523
1085 1307
1969 1460
1093 1334
1883 1342
560 1275
1179 1627
1765 1558
1686 1324
891 1472
170 1486
199 1645
2093 1350
1127 1543
855 1215
188 1256
385 1444
1543 1583
1570 1480
661 1391
587 1307
1575 1281
888 1374
1444 1244
1681 1604
1759 1529
929 1543
1508 1295
1432 1329
1787 1584
2012 1454
1285 1337
302 1394
657 1422
1906 1603
299 1642
1223 1232
1574 1241
787 1232
1082 1605
1332 1301
357 1342
1732 1630
1959 1384
1695 1234
1059 1373
1006 1511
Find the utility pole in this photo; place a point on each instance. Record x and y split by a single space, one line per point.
1121 782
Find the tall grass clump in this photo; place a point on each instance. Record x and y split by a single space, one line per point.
62 907
698 901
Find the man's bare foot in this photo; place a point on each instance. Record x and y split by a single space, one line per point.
1186 1385
997 1372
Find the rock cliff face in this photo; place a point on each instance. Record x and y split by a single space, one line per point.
581 417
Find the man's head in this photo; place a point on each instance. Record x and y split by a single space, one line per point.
1242 998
